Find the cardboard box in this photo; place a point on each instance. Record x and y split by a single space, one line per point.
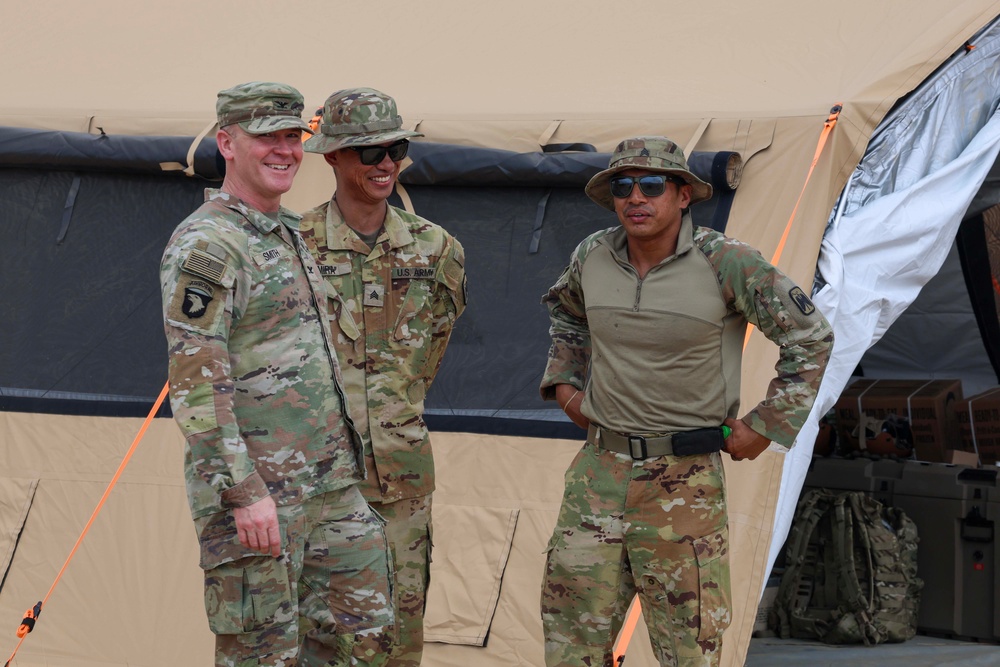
979 424
927 405
960 457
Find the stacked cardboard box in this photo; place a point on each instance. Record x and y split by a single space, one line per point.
927 405
979 424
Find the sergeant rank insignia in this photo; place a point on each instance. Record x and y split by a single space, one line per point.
374 295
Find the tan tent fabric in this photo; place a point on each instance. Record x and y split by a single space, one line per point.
470 556
15 501
764 75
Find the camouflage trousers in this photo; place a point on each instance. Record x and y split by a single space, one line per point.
408 528
325 600
656 528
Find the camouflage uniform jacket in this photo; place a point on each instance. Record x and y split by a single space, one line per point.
254 383
391 311
666 351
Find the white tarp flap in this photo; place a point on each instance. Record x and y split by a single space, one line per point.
875 261
895 224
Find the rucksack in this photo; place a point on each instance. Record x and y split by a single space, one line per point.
851 572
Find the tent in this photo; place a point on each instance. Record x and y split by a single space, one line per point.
102 116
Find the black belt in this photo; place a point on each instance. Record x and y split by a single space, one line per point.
642 447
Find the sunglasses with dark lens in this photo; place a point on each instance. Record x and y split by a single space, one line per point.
371 155
651 185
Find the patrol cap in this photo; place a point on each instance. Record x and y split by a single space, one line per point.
260 107
357 117
656 154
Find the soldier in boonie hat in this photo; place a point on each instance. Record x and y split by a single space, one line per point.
647 326
374 258
260 107
357 117
654 154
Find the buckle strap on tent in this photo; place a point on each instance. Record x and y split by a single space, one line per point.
28 623
696 137
549 132
633 613
67 216
192 149
404 196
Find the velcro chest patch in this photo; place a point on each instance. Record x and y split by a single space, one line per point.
414 272
334 269
270 255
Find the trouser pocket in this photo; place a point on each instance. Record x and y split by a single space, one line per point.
246 595
714 608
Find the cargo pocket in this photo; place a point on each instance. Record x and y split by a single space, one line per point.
246 595
715 613
244 590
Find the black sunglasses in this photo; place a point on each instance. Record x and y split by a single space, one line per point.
371 155
651 185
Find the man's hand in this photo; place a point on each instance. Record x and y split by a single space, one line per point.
744 442
569 399
257 527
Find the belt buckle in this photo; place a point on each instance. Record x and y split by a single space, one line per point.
643 452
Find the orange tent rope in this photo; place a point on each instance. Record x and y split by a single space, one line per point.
628 628
831 121
32 614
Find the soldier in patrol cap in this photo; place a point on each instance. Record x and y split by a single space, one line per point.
396 285
647 326
272 460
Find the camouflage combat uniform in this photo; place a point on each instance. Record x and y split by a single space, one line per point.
391 309
663 355
256 390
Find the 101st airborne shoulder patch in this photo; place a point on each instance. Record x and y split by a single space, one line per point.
195 303
801 301
198 296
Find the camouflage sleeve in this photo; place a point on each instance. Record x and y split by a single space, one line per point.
569 353
773 303
451 304
201 287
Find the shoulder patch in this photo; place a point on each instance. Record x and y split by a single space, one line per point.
801 301
202 264
197 305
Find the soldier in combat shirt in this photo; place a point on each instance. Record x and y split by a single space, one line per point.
396 284
272 460
647 326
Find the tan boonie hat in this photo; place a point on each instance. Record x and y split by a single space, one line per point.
260 107
357 117
656 154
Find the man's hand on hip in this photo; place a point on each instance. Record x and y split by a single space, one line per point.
257 526
744 442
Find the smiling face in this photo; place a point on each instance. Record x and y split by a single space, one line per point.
656 218
362 183
260 167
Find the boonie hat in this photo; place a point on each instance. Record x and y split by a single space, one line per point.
357 117
260 107
656 154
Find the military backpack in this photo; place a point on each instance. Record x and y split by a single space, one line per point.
851 572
